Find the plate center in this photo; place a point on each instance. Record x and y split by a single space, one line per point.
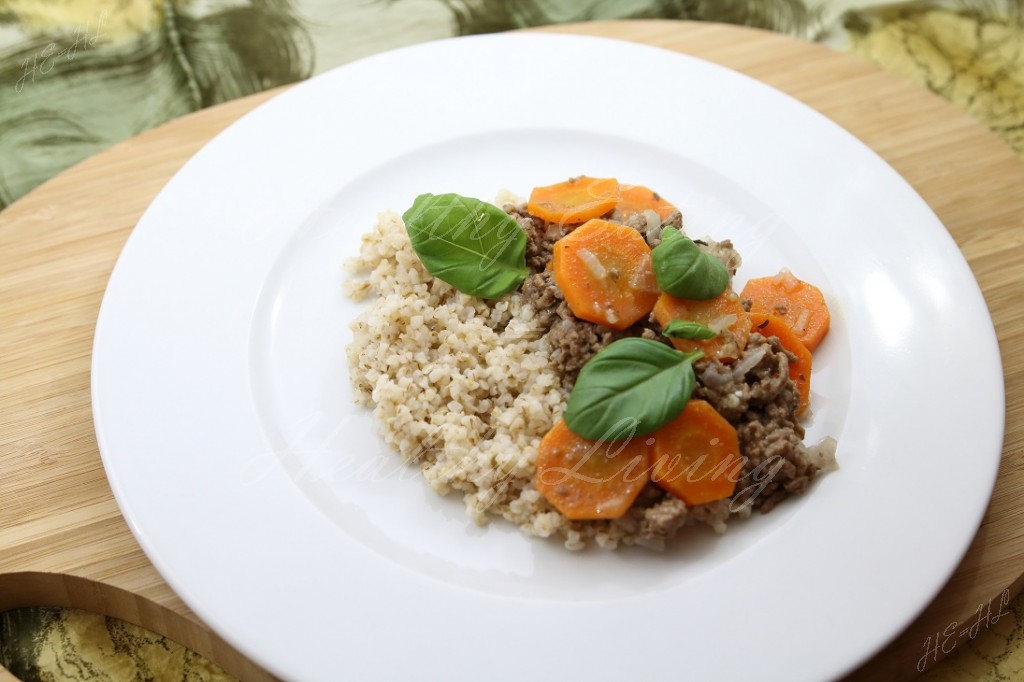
330 447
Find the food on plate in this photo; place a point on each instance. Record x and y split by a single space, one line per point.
724 316
635 199
800 360
590 479
580 366
697 455
605 273
574 201
800 305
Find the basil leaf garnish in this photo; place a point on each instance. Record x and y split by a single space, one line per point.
684 270
631 387
471 244
687 329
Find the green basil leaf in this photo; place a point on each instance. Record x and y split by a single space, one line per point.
471 244
631 387
687 329
684 270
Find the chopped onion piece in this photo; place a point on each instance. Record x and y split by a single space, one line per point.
554 231
593 263
786 278
643 278
654 236
653 219
716 376
800 326
713 378
721 323
748 362
823 454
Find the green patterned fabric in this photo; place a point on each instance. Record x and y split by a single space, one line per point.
77 76
970 53
50 645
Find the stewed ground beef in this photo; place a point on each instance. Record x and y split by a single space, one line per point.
540 236
761 403
754 393
572 341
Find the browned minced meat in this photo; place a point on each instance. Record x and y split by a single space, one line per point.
663 519
762 406
652 235
541 290
668 514
572 341
540 236
723 251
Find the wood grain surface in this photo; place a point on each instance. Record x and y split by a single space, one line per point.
62 538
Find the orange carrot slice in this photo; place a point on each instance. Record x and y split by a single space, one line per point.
574 201
697 455
800 305
587 479
635 199
723 314
800 369
606 273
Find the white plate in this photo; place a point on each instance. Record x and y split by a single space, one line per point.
224 414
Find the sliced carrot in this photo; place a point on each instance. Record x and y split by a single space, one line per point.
574 201
800 305
800 369
586 479
606 274
724 314
635 199
697 455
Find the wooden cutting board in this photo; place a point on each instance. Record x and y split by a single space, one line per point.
62 538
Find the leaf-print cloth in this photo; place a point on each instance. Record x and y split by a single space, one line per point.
77 76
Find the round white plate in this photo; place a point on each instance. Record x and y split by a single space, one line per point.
263 496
